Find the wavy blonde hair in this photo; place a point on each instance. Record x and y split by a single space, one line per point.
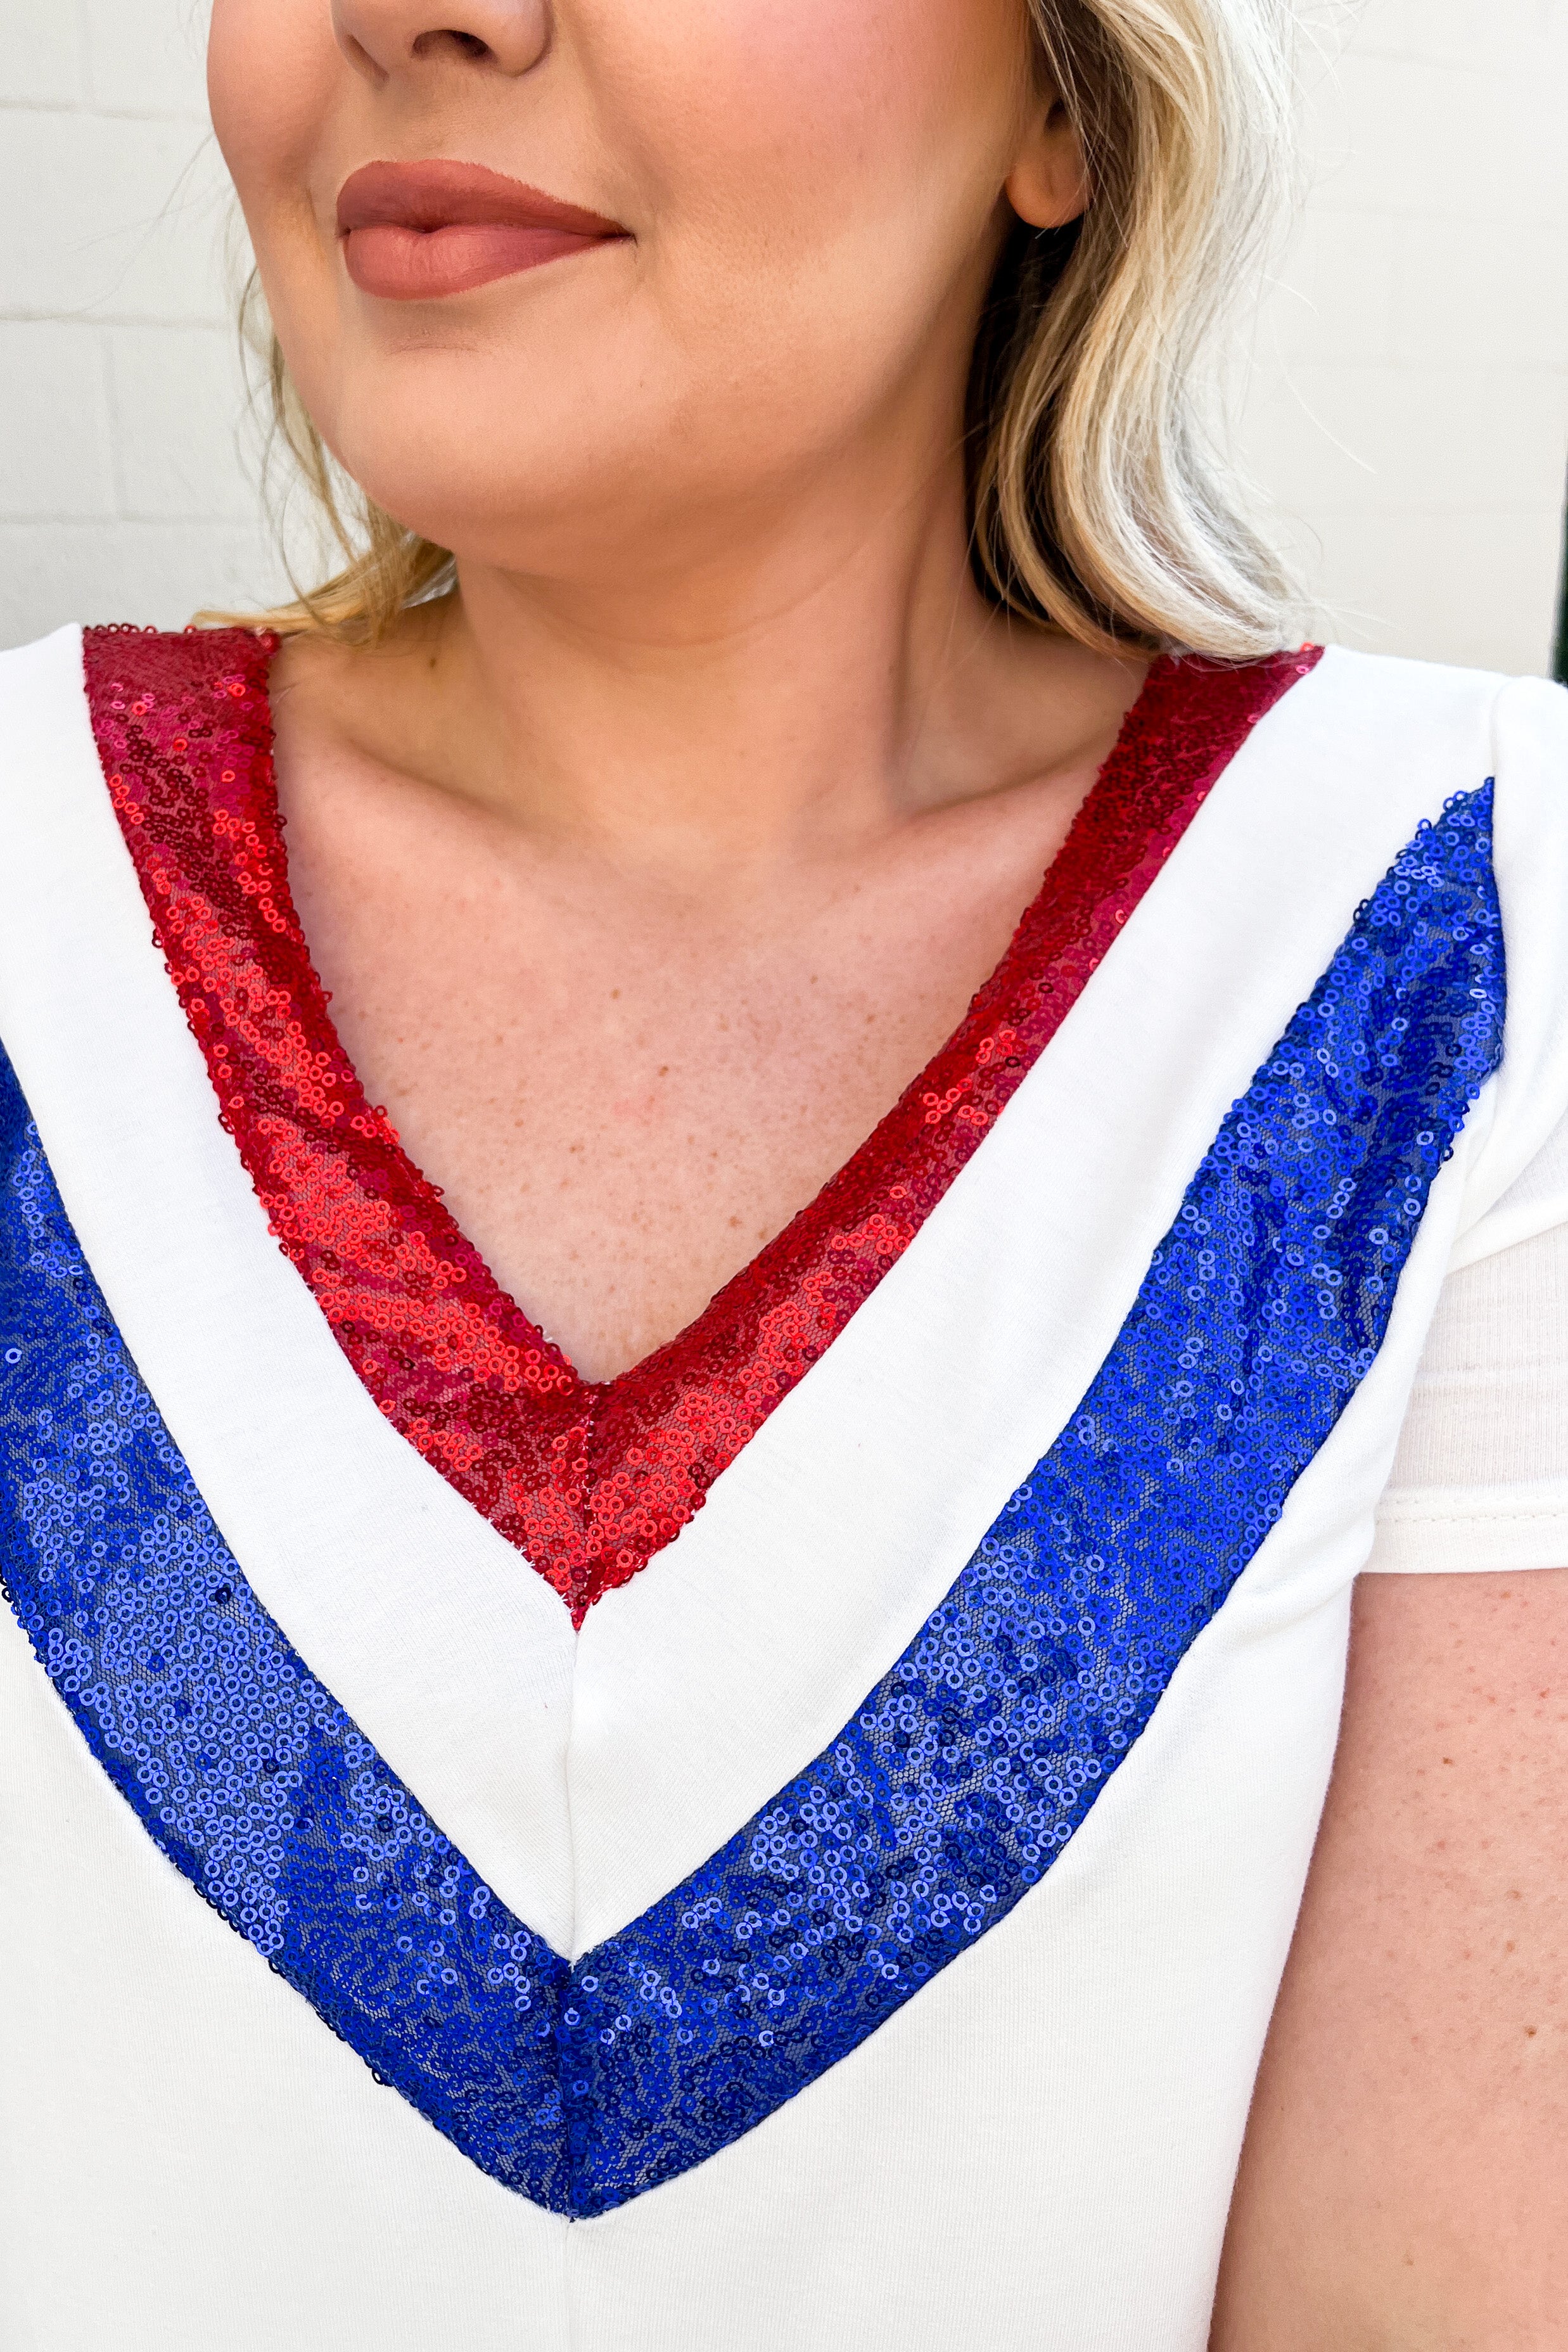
1098 504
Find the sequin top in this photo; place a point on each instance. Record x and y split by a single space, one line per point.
793 1846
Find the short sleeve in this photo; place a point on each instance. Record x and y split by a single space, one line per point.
1480 1478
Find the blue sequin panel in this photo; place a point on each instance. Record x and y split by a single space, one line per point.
967 1768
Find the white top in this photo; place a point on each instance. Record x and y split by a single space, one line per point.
1036 2146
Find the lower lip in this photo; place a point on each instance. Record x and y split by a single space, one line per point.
418 265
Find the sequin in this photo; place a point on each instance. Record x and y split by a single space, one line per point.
970 1765
588 1479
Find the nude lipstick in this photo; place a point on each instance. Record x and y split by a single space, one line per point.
416 232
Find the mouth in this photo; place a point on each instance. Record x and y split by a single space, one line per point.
416 232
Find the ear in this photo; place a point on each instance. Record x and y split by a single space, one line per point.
1048 183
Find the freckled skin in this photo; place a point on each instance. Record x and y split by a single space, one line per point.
617 1165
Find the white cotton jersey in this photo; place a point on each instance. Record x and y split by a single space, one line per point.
1482 1465
1036 2149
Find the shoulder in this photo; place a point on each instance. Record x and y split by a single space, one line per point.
40 679
59 669
1339 788
88 718
74 700
1394 718
1423 733
1363 751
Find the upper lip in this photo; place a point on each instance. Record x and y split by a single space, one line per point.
441 194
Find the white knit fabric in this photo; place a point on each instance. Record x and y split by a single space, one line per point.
1480 1479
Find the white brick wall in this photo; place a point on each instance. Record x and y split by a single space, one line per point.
124 494
1407 405
1408 408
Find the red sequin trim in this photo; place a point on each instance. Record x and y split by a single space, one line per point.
588 1479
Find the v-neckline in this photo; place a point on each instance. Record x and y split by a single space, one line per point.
588 1479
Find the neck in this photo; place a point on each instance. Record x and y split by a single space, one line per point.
786 685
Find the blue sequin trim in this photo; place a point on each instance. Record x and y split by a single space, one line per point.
970 1766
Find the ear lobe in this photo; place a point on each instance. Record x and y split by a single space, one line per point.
1048 183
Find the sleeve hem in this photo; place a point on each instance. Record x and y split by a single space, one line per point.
1438 1532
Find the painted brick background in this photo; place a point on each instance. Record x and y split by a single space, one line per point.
1406 407
1408 404
121 491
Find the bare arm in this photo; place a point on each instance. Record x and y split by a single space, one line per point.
1405 2182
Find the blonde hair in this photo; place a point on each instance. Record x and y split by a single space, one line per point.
1099 506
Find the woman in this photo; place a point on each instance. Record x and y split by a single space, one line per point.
751 1705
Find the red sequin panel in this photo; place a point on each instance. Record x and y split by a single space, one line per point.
588 1479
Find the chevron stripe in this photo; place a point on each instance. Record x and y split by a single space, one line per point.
967 1768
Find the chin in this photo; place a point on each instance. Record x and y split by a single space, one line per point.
477 458
554 507
547 470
